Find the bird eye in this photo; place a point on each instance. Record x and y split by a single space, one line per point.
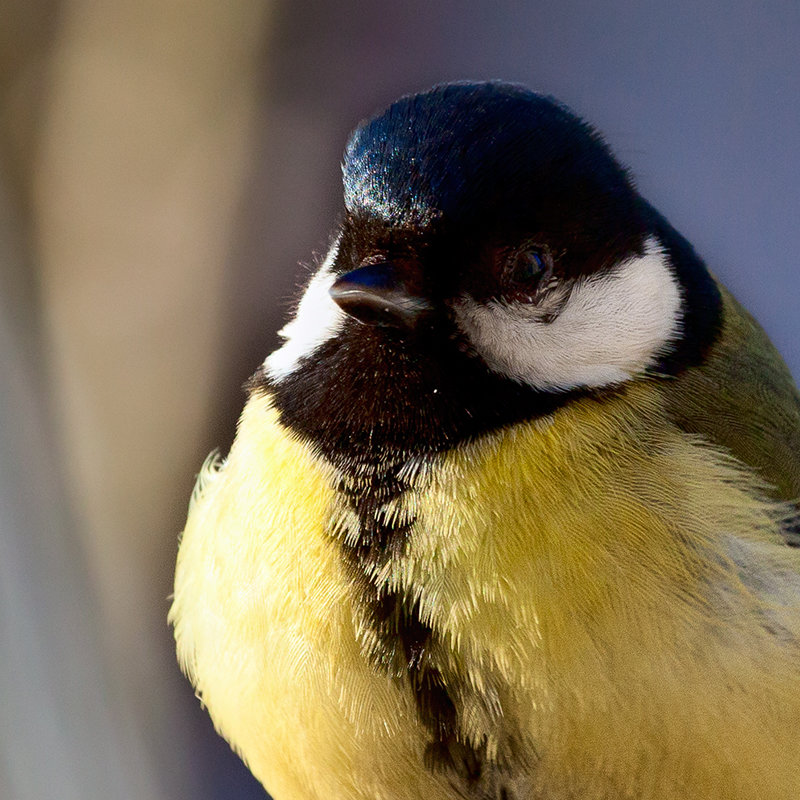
528 265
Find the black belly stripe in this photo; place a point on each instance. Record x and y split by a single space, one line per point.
402 641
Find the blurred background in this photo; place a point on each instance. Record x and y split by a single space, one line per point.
166 168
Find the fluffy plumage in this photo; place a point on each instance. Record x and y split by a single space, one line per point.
422 572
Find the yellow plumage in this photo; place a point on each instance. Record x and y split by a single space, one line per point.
612 581
506 515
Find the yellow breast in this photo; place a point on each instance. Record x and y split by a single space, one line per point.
264 626
609 597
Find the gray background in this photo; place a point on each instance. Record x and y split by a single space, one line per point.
164 169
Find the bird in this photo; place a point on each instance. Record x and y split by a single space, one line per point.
511 512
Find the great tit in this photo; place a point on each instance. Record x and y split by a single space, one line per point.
508 514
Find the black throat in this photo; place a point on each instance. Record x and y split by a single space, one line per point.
373 396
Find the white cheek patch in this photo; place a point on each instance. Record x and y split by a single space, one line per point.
317 320
611 327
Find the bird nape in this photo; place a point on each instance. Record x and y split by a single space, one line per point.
507 514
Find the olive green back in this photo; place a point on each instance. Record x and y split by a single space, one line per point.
744 398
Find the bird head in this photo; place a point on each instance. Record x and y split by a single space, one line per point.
494 262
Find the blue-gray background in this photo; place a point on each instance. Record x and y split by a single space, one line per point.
164 168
